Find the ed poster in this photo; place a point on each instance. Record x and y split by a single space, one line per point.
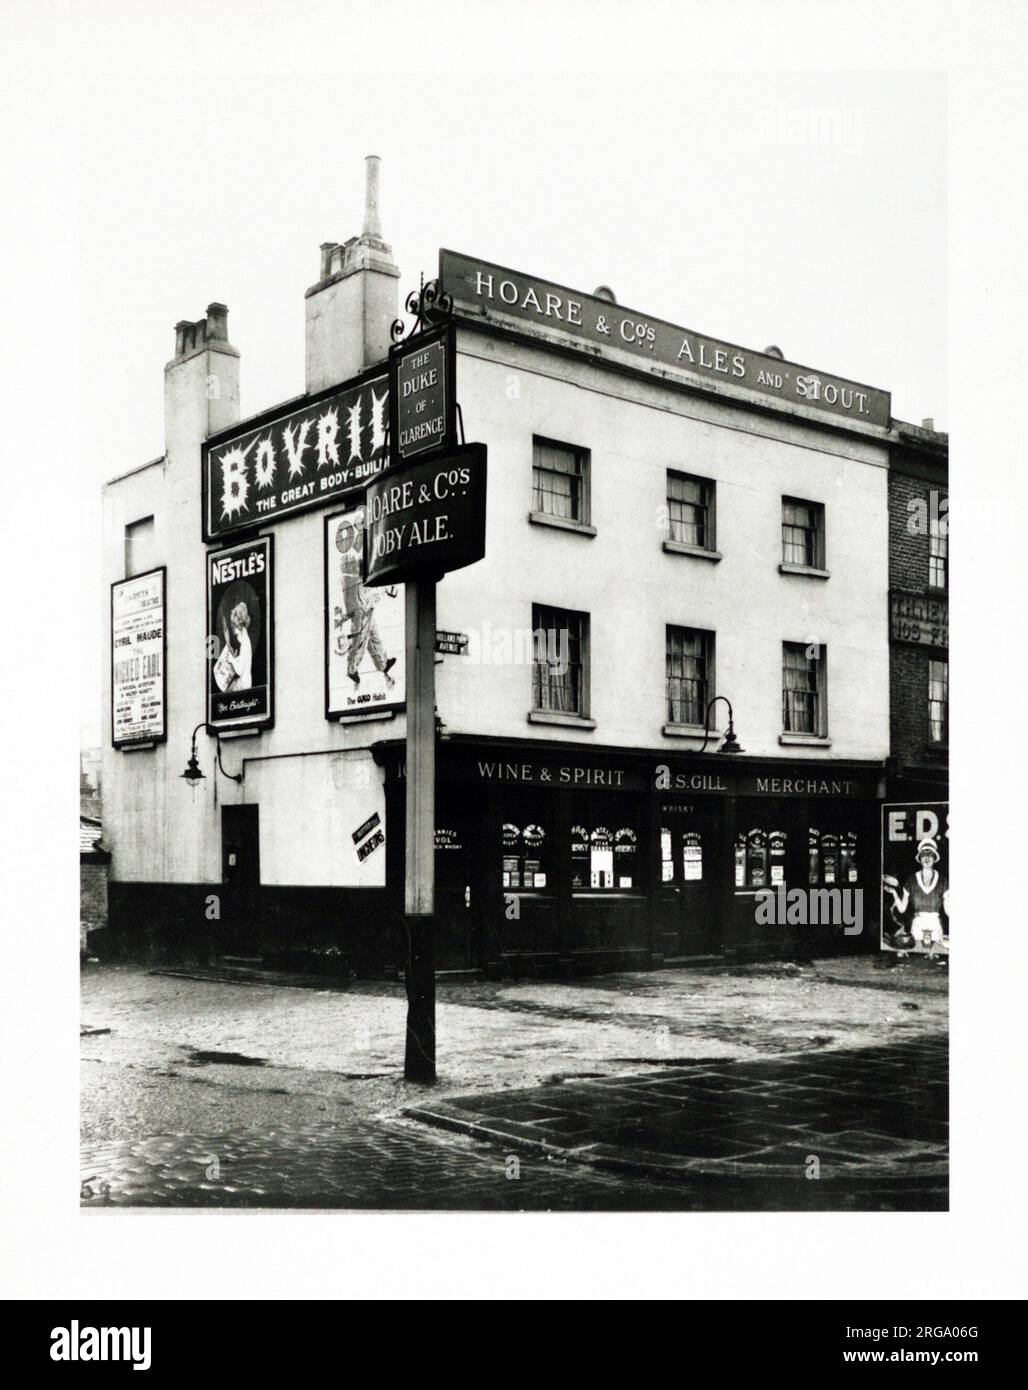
239 635
915 877
364 627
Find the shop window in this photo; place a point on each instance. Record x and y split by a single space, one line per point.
450 859
803 533
803 688
525 856
849 870
760 858
833 858
681 856
938 701
560 653
604 857
689 656
560 481
690 505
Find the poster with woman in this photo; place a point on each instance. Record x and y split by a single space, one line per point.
364 627
239 635
915 878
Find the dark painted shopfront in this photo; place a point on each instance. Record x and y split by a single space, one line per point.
550 857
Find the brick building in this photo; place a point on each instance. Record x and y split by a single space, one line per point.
919 613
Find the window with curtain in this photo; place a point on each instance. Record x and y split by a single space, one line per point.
689 657
560 640
559 480
802 533
803 688
690 505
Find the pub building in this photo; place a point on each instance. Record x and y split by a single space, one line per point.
677 529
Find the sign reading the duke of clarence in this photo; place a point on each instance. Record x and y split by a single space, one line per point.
296 459
427 519
422 400
239 635
138 651
919 619
490 291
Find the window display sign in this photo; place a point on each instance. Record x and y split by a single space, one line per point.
296 458
915 877
139 642
239 636
365 652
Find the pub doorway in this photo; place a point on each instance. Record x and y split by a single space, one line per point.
690 926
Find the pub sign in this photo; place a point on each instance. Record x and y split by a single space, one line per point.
427 518
422 395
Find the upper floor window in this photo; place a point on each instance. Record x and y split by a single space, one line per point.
938 551
803 533
690 505
560 655
560 481
803 693
938 701
689 659
140 552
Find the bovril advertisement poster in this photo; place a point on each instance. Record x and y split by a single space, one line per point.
915 877
364 626
239 635
138 649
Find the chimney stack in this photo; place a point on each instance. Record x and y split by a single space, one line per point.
350 310
928 423
201 382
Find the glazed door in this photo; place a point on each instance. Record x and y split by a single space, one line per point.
686 851
239 933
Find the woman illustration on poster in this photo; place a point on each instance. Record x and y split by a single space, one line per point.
926 896
234 667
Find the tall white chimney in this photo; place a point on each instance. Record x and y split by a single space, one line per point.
350 310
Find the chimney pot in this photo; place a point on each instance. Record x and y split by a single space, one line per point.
372 222
217 322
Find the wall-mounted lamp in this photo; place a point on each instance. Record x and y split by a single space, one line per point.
192 773
730 743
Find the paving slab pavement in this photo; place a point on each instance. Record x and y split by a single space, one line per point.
862 1118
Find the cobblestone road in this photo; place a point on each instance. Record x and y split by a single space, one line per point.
700 1090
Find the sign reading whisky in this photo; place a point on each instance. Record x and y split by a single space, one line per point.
492 293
